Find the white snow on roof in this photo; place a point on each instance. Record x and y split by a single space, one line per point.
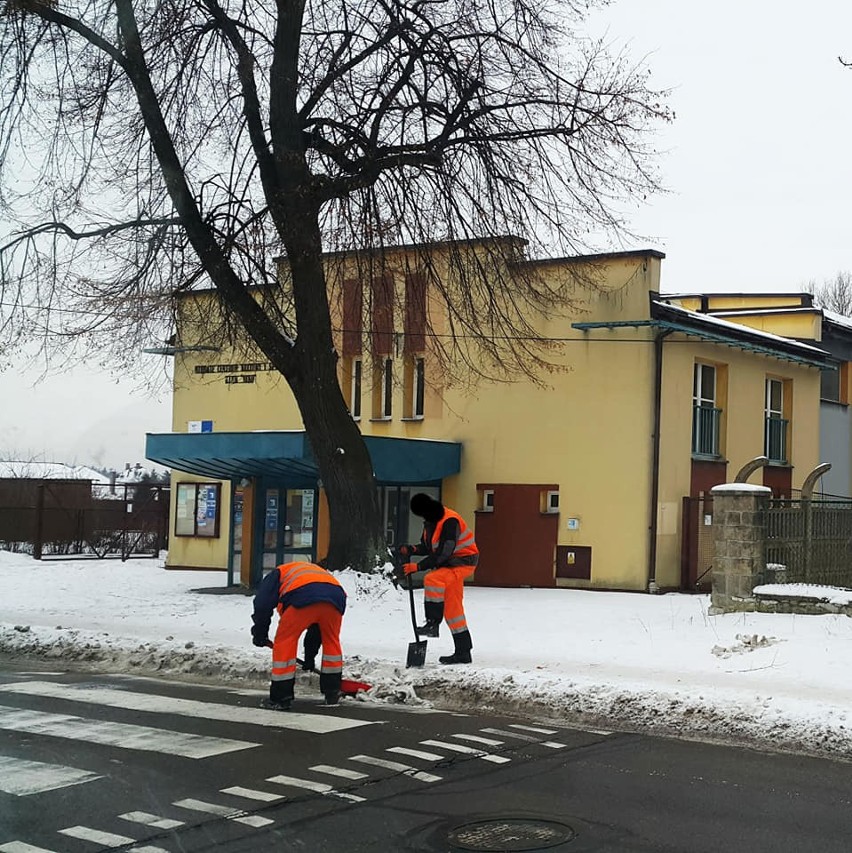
837 319
727 326
17 469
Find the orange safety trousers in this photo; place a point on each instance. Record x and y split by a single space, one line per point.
291 625
445 587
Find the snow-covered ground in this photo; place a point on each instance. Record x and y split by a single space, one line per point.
628 661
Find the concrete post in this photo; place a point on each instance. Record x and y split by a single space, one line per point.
739 537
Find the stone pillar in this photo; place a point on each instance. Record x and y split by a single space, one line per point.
739 538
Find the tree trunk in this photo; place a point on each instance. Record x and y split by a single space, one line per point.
344 463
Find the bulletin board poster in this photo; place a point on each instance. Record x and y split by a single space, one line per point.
207 510
185 510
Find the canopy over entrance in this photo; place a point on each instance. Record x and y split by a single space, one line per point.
287 455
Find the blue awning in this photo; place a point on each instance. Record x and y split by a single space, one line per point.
287 456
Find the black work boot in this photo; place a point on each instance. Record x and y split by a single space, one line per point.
463 644
332 697
434 617
280 696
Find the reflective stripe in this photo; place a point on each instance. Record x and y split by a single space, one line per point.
283 664
459 629
290 676
453 621
431 588
295 567
332 657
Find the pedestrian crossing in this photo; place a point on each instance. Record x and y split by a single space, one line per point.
251 803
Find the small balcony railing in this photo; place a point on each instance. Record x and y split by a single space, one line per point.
775 439
705 430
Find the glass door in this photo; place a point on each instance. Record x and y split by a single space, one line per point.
289 526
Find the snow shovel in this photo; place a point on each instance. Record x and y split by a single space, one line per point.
347 686
417 649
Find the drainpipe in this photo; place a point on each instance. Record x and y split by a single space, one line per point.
655 461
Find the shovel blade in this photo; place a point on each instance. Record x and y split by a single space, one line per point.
416 654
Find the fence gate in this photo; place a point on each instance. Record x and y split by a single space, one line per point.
697 551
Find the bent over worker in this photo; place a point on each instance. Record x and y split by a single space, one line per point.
451 556
305 595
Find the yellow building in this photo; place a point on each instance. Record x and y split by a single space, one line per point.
578 481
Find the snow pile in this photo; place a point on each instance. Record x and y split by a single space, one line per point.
837 595
629 661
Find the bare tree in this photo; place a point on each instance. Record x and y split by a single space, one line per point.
834 294
150 147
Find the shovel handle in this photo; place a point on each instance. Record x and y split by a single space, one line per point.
413 615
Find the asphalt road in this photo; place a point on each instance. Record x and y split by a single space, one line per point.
113 762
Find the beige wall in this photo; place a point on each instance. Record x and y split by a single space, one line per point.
743 424
588 428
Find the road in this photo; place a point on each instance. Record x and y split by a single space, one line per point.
114 762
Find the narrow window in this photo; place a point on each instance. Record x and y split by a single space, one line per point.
355 389
419 389
775 431
705 413
387 388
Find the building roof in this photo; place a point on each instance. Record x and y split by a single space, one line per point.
286 455
710 328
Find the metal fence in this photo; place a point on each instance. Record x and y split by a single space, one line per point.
809 541
48 518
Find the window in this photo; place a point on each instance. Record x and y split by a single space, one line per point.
706 416
197 509
382 389
775 429
414 380
550 502
486 500
834 382
387 388
355 389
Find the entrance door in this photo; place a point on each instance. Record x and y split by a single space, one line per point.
289 526
400 526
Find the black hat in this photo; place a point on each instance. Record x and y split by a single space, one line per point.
427 507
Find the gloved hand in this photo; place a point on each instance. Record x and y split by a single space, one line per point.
260 641
410 568
309 665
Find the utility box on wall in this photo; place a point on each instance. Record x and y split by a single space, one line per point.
574 561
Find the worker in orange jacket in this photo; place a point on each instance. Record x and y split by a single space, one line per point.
450 555
307 598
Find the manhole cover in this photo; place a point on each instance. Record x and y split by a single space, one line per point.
510 834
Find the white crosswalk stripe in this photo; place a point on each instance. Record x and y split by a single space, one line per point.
21 777
415 753
252 794
235 815
160 704
96 836
122 735
152 820
317 787
486 741
339 771
550 744
22 847
467 750
397 767
533 729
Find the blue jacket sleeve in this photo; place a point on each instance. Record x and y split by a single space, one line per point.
265 602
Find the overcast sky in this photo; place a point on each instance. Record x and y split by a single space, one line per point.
757 164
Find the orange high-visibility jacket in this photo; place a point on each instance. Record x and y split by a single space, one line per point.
465 544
